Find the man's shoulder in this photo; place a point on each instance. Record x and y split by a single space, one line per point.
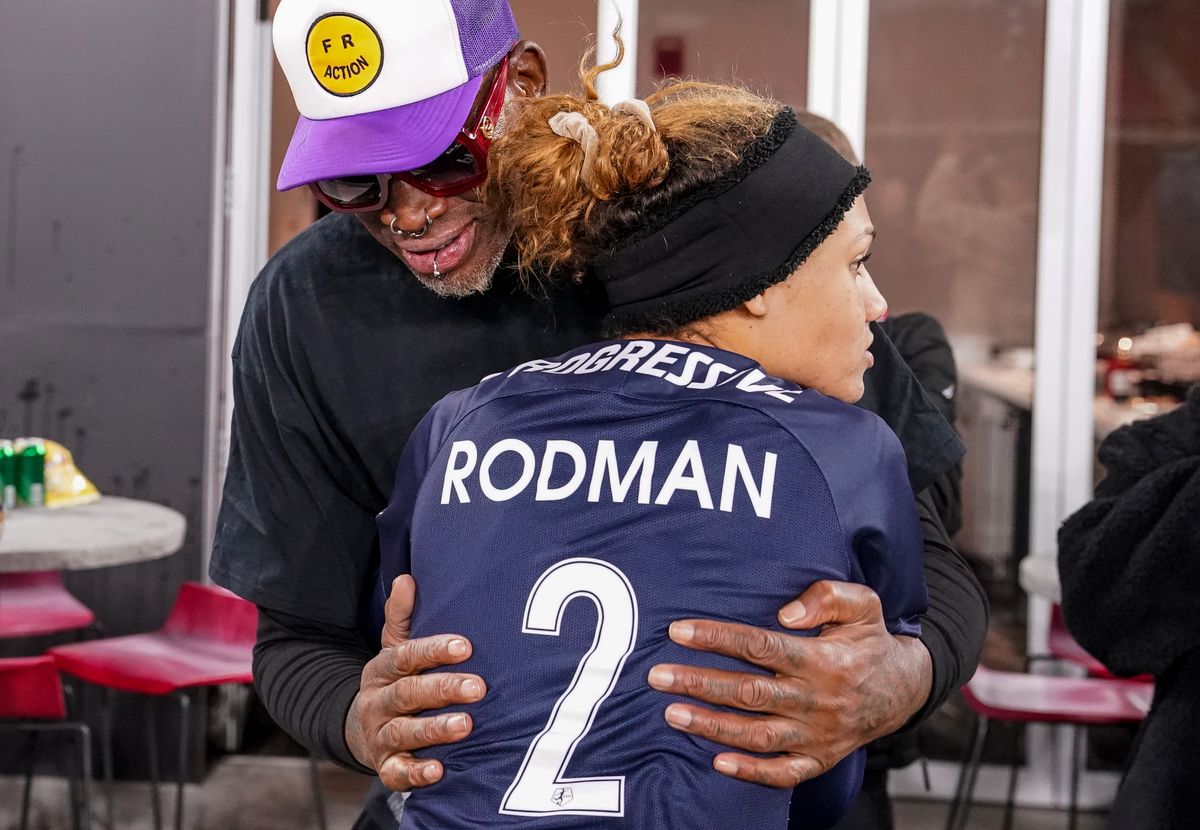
333 278
330 251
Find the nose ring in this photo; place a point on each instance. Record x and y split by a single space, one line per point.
411 234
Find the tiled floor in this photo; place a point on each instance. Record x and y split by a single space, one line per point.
927 815
259 793
242 792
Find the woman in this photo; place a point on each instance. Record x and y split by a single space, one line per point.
709 444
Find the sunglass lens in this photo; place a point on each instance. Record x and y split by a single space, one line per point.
455 165
351 191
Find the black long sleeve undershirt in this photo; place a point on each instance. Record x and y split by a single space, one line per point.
308 673
955 626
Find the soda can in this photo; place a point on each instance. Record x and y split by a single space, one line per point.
31 471
8 475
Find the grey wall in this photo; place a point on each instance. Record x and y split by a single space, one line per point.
106 133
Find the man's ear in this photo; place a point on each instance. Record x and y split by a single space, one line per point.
756 306
527 72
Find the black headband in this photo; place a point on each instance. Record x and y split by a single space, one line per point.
736 237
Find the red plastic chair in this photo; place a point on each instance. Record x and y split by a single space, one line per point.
33 604
32 701
207 640
1014 697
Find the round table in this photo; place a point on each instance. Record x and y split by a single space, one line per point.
111 531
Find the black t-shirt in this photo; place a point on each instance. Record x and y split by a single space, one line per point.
341 352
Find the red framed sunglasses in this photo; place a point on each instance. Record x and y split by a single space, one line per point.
462 167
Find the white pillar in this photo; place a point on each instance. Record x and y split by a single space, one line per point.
1068 269
1068 278
837 65
242 188
617 84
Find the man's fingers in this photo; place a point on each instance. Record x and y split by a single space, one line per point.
408 734
739 690
784 771
832 603
782 653
753 734
425 692
403 772
397 611
416 656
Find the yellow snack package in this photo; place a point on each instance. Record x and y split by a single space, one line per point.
65 485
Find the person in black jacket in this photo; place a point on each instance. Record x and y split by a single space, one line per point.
1129 562
923 344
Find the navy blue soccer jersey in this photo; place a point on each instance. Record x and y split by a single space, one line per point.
562 514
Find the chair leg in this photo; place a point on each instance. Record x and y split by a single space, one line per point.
981 731
185 707
152 757
85 774
73 795
956 801
30 754
1013 768
318 796
957 816
106 754
1077 740
80 793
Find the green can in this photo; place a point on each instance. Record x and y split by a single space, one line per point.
31 471
8 475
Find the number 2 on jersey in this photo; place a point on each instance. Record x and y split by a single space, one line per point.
540 788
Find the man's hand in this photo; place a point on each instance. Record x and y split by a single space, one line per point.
383 726
830 694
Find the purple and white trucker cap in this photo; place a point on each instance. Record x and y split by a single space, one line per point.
383 85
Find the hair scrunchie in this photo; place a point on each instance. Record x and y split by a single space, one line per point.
575 126
639 109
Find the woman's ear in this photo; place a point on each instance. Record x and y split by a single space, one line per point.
756 306
527 71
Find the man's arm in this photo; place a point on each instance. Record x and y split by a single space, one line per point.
307 675
296 535
360 707
832 693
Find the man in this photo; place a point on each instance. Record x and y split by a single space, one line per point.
358 326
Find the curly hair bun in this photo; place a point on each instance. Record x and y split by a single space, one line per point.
572 175
549 170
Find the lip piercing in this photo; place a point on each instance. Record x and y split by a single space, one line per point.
436 273
411 234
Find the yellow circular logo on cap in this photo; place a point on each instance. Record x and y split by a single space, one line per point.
344 54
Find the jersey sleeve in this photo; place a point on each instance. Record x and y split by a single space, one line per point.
296 531
867 474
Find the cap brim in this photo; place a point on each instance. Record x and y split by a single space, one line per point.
387 141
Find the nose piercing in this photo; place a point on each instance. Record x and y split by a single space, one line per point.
411 234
